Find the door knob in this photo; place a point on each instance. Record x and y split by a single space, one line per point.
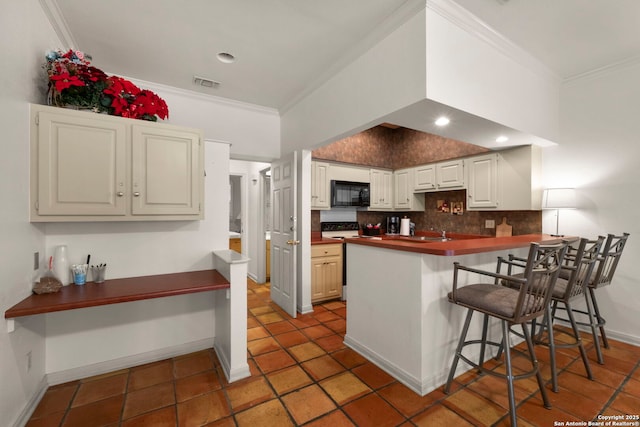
120 193
136 194
293 242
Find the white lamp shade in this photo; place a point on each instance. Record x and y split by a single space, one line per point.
559 198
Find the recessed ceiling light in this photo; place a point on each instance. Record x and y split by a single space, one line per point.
226 57
502 138
442 121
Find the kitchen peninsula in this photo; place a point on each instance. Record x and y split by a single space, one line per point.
399 316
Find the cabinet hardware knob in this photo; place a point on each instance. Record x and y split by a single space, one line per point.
120 194
136 194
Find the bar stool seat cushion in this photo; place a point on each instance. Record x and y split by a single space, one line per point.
494 299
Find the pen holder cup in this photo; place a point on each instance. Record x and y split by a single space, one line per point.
79 272
98 273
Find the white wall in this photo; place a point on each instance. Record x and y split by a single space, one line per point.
252 244
598 155
26 36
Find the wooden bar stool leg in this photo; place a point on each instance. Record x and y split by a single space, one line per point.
454 365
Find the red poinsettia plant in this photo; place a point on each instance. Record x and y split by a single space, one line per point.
73 81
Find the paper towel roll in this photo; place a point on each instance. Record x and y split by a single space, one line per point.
405 227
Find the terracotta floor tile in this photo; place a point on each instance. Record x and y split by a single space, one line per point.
250 393
533 411
308 403
106 375
583 408
256 333
225 422
326 316
165 417
322 367
339 326
474 407
203 409
99 389
348 358
265 319
331 343
56 400
304 321
289 339
342 312
373 376
288 379
334 305
600 373
252 322
581 386
636 374
306 351
274 361
406 400
372 410
495 390
345 387
263 345
199 362
439 416
333 419
268 414
317 331
632 387
48 420
101 413
626 404
257 311
623 366
149 375
148 399
195 385
280 327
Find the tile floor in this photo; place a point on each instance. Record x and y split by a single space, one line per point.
302 374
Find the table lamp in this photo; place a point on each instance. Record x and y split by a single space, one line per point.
559 198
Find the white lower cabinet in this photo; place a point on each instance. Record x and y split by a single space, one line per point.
95 167
326 272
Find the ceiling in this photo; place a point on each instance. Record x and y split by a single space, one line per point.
284 48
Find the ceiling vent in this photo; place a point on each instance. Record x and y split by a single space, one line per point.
201 81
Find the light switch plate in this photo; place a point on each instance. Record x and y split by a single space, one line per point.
489 223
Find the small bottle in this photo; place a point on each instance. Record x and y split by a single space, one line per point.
61 264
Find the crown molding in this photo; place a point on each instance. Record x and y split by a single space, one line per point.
470 23
602 71
57 21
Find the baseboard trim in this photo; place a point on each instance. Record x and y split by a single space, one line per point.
32 404
232 375
73 374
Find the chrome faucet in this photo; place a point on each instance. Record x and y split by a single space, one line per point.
444 234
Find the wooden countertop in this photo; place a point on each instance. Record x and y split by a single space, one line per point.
115 291
461 246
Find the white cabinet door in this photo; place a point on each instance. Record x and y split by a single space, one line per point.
320 186
381 189
482 181
403 189
81 165
450 175
165 171
425 178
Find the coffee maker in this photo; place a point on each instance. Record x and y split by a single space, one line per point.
393 225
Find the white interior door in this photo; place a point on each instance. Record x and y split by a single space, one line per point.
284 233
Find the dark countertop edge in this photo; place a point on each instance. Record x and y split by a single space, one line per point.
463 246
115 291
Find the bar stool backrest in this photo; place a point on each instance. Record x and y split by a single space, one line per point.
608 260
540 274
580 262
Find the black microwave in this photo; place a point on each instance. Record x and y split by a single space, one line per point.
347 193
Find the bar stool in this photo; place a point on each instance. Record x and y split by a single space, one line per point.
605 269
578 265
512 306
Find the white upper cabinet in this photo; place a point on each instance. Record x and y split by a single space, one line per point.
425 178
95 167
482 181
405 198
450 175
320 186
381 189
